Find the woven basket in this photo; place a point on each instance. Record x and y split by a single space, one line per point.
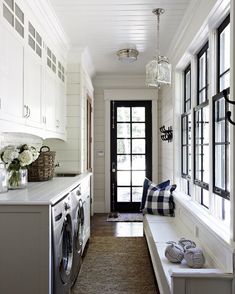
42 169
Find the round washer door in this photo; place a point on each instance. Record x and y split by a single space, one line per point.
67 250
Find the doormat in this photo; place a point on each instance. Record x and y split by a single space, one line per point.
125 217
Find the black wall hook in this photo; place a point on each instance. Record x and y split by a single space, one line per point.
167 134
228 116
228 113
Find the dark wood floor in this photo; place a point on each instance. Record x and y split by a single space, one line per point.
100 227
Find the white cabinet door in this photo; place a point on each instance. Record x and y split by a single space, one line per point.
33 88
50 93
11 76
60 107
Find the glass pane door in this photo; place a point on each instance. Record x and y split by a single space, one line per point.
131 150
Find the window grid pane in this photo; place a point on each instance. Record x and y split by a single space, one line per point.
186 145
201 158
187 89
202 82
221 185
224 55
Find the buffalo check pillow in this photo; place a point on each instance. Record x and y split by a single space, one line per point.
146 185
160 201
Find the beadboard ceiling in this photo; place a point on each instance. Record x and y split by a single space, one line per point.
105 26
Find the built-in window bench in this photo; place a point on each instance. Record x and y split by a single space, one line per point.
217 274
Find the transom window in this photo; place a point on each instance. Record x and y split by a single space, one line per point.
224 54
187 89
202 62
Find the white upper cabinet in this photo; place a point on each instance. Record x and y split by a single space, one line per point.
54 95
32 80
11 68
50 101
33 77
32 89
60 108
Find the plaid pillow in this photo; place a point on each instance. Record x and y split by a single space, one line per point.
160 201
146 185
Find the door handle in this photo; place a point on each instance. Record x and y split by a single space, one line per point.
113 167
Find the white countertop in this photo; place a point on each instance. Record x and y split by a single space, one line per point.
42 193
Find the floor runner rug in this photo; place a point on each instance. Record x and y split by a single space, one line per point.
116 265
125 217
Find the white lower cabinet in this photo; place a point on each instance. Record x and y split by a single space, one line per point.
11 76
25 265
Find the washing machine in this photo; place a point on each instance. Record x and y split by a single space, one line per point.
78 227
62 245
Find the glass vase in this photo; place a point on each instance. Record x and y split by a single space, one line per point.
3 178
18 179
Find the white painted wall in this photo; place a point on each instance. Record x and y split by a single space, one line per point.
19 139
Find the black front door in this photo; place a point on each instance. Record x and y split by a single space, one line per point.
131 152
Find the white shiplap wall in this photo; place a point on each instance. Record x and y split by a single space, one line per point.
166 148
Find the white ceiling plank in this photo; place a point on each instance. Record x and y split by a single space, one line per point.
104 26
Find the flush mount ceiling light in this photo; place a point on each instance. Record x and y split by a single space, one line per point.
158 70
127 55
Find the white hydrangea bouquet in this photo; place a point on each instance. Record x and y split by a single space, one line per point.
17 159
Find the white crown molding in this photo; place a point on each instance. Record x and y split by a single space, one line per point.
185 23
45 14
206 15
87 62
81 55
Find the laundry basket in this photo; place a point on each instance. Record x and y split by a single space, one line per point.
42 169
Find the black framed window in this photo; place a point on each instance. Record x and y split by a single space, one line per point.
186 138
187 89
221 185
202 70
186 123
221 138
201 126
